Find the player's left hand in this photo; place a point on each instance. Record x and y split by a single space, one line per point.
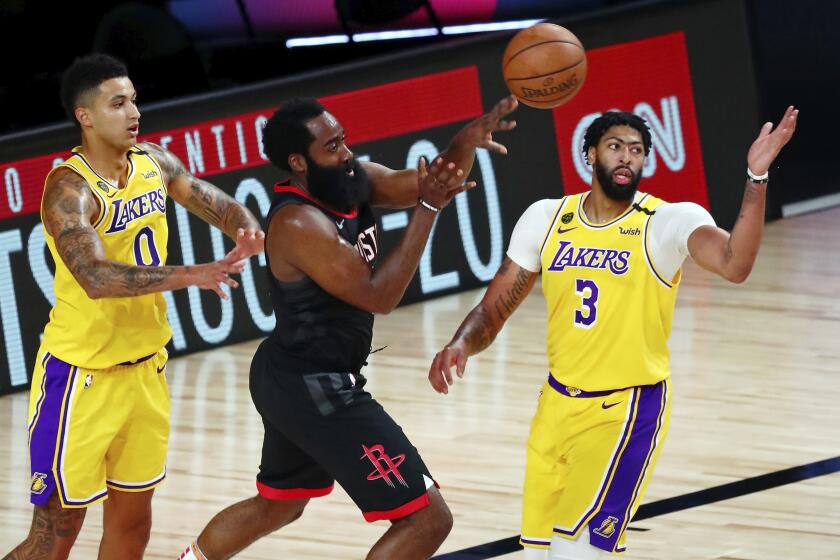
479 133
249 242
768 144
440 374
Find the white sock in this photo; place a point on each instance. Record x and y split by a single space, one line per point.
192 553
532 553
578 549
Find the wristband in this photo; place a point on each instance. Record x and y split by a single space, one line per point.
428 206
757 178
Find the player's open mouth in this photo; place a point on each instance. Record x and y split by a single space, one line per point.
350 172
134 129
622 176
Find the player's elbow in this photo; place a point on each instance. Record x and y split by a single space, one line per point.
738 275
93 291
383 306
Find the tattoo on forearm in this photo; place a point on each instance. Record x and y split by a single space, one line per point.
507 302
477 330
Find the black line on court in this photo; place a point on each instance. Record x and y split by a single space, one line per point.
677 503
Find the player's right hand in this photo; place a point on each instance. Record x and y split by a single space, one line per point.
440 374
440 182
211 276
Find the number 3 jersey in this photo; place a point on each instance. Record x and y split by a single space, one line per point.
609 301
99 333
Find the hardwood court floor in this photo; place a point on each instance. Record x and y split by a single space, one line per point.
756 373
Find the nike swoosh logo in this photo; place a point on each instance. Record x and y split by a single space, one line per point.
160 369
605 406
561 230
340 225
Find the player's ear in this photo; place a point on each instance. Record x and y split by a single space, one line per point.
82 116
297 163
590 155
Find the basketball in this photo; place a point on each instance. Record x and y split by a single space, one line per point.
544 65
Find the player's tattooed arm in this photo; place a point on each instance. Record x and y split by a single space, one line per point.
732 256
69 210
206 200
509 287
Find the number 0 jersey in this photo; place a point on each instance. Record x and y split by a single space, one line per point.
100 333
609 311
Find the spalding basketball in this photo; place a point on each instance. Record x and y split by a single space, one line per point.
544 65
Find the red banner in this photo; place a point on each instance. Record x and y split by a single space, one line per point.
228 144
651 78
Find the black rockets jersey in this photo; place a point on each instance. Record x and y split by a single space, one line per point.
315 331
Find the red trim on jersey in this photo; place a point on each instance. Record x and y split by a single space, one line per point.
292 493
288 187
403 511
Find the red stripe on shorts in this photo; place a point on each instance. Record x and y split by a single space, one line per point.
292 493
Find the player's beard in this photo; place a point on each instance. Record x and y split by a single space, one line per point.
334 187
623 193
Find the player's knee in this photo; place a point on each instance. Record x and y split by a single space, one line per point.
136 534
434 521
278 513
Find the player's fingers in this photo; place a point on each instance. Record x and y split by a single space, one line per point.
455 180
461 363
507 125
495 147
230 282
435 375
219 291
421 168
765 130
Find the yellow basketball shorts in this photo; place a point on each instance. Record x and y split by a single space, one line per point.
94 429
588 461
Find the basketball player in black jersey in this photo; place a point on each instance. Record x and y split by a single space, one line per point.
321 426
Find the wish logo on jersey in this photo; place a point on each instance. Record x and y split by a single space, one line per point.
590 257
126 212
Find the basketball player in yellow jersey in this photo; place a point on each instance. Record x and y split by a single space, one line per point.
99 405
610 262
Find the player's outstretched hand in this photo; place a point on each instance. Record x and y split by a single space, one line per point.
479 133
249 242
440 182
768 144
440 374
211 276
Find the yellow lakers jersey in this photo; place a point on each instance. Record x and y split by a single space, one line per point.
100 333
609 311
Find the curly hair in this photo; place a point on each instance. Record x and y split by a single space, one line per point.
84 75
599 127
285 133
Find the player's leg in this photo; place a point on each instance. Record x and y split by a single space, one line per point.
617 440
288 476
136 458
573 549
52 534
61 435
545 476
418 535
127 525
349 434
237 526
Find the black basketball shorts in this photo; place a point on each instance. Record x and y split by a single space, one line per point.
324 427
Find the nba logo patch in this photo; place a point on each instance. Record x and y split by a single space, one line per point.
88 380
38 484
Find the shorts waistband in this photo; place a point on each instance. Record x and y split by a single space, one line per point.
138 360
574 391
